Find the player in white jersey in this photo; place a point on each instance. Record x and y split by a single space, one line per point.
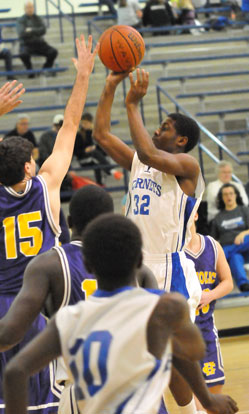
118 344
165 186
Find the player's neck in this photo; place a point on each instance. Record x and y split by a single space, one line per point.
75 236
109 287
195 243
20 187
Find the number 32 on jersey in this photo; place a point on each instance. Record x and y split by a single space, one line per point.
141 205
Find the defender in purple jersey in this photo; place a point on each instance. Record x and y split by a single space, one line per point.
215 278
29 216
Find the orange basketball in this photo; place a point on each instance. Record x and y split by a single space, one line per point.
121 48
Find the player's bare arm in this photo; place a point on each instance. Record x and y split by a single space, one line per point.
214 403
10 95
170 318
36 355
39 282
56 166
115 147
225 285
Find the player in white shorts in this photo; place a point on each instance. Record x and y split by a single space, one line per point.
117 344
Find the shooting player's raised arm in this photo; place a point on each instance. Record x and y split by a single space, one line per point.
111 144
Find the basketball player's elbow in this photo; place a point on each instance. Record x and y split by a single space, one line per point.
100 135
8 336
97 135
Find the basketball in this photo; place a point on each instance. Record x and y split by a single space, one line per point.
121 48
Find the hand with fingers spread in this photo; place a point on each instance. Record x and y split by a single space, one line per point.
85 61
9 96
138 88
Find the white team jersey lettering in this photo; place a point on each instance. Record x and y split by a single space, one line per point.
104 344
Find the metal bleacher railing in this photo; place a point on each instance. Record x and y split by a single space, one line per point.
166 62
184 78
43 71
203 94
61 14
222 113
151 45
221 148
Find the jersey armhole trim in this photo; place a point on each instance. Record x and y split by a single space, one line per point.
56 230
66 275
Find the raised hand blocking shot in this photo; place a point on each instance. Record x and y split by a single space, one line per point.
10 94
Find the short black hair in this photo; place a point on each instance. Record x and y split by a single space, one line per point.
87 203
219 200
112 246
14 153
87 117
186 127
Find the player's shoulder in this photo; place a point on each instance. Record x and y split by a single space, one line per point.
171 307
211 241
190 164
207 237
44 261
71 249
165 298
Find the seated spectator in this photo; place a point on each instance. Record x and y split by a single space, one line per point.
22 130
89 153
158 13
231 227
129 13
110 5
185 12
30 29
5 54
224 174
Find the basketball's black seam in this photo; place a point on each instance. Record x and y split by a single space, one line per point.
113 52
100 47
115 30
